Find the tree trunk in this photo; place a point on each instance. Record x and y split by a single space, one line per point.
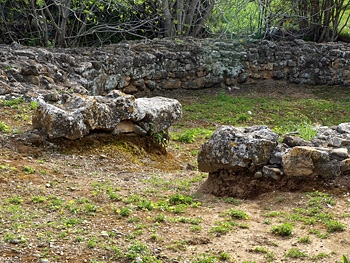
167 18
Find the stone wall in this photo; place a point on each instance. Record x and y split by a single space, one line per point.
142 67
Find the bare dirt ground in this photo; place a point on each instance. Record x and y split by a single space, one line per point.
61 201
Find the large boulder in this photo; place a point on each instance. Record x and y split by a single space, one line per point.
232 148
78 115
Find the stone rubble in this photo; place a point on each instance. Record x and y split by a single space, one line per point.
256 154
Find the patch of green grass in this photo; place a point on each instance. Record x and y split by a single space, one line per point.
192 134
222 227
224 256
319 256
285 229
16 200
304 240
318 233
273 214
205 258
238 214
38 199
334 226
289 114
181 199
29 170
296 253
124 211
13 102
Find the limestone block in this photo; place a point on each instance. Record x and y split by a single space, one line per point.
234 148
160 113
310 161
116 113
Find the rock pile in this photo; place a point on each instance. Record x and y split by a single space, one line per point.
244 162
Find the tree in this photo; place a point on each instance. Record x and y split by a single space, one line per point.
92 22
316 20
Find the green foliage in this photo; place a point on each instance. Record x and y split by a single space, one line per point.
238 214
285 229
29 169
334 226
224 256
296 253
33 105
4 128
192 134
205 258
304 240
177 199
282 116
13 103
222 227
124 211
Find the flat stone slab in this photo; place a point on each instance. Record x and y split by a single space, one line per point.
79 115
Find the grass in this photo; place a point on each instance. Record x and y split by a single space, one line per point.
296 253
285 229
283 116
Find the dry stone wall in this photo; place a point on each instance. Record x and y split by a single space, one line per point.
143 67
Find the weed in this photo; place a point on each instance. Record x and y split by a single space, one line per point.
135 250
319 256
285 229
180 199
160 218
114 196
116 253
15 200
296 253
92 242
192 134
224 256
145 204
33 105
4 128
334 226
29 169
124 211
304 240
13 102
238 214
90 209
318 233
221 227
273 214
205 258
196 228
79 239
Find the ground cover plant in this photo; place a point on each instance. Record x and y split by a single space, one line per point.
106 199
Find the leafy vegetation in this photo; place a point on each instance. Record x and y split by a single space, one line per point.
77 23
